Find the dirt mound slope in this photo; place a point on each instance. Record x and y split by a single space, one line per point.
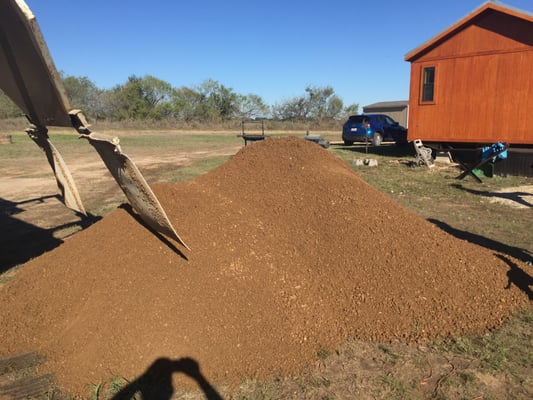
291 252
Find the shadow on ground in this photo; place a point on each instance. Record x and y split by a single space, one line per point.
21 241
385 150
516 197
516 252
516 275
156 382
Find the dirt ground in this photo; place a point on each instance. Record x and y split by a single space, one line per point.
525 197
33 218
284 264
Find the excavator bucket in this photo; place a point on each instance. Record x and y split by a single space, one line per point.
65 182
29 77
133 184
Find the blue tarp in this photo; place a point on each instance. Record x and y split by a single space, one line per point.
490 151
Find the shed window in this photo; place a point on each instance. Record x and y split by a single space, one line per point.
428 84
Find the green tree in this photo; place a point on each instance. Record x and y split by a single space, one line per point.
334 107
296 108
323 103
352 109
84 95
8 109
317 98
185 104
141 98
217 101
316 104
252 106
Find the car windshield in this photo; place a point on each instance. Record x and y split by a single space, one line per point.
359 119
389 120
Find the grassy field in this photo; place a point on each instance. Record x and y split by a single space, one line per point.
495 365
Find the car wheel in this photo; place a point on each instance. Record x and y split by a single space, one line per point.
377 139
348 142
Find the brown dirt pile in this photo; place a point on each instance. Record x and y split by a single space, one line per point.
291 252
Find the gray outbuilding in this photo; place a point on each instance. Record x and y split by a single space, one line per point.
397 110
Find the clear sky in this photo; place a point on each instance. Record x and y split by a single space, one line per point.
271 48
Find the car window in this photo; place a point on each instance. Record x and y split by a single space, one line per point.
358 119
389 120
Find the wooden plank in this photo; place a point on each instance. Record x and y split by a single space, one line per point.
18 380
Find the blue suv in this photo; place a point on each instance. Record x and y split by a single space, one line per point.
374 128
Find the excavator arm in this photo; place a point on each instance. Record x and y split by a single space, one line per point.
29 77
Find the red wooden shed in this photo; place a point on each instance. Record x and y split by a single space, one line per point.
473 83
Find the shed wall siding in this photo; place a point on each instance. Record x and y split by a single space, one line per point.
488 33
483 86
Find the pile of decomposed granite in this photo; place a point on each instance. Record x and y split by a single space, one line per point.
290 252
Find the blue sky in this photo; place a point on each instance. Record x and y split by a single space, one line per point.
274 49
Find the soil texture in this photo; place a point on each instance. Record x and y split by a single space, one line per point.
291 253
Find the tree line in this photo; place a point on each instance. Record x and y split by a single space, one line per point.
150 98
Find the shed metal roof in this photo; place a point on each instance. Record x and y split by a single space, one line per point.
388 104
489 5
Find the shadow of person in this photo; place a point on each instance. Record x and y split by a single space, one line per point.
156 382
517 276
